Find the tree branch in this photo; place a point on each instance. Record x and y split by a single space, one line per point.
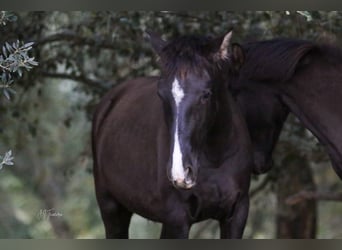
311 195
97 85
76 39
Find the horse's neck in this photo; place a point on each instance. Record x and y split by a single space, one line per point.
318 110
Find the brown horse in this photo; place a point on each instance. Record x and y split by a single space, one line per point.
175 148
289 75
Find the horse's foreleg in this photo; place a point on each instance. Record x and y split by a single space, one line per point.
116 218
175 231
233 225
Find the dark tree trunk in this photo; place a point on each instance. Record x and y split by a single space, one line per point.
296 221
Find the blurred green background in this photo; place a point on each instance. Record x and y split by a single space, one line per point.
81 55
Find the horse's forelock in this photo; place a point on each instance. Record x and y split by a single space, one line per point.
188 54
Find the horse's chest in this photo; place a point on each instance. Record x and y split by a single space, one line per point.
210 201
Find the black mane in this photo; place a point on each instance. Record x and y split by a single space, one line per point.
274 60
278 59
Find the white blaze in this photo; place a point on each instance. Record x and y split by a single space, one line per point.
177 170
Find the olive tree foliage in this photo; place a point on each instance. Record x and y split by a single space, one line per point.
101 49
83 54
13 60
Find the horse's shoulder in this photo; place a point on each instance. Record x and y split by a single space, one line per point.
125 89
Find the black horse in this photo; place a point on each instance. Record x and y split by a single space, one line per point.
289 75
175 148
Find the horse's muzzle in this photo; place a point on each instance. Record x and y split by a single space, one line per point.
186 183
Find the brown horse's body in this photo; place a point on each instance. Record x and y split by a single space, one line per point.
128 132
288 75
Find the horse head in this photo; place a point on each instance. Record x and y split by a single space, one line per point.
192 84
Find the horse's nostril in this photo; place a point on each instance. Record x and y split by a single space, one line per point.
189 177
187 170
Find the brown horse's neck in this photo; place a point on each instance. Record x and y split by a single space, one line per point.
321 118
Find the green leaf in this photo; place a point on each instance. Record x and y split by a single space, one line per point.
306 14
6 94
7 160
28 44
8 47
12 91
32 62
20 72
12 18
4 51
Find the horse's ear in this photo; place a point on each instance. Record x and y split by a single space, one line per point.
238 56
157 42
222 45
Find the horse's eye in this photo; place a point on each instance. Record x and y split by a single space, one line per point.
205 96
